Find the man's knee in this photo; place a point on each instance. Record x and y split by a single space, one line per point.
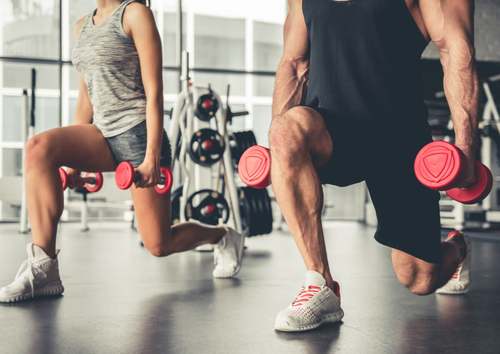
288 133
417 281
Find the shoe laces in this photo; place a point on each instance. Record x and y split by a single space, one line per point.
33 271
456 275
305 294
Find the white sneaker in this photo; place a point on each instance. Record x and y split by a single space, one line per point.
314 305
460 280
228 254
208 247
38 276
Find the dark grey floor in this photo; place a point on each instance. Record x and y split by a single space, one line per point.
121 300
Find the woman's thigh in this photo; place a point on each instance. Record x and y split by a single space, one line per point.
77 146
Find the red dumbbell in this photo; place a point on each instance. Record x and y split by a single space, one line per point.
254 167
438 166
125 176
92 182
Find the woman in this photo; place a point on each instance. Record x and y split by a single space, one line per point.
119 117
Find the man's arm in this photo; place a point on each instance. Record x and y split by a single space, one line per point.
292 73
451 26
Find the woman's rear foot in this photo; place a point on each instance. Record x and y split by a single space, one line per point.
38 276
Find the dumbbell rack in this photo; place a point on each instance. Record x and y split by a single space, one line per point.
184 121
490 147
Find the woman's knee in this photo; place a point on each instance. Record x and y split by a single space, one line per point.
156 245
38 150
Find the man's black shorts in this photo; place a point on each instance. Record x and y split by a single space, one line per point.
407 212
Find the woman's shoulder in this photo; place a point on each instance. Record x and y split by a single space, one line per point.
78 26
136 14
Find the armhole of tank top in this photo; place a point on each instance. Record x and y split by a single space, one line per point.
305 13
121 14
413 23
85 23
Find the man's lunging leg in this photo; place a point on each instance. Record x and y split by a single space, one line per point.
299 144
298 140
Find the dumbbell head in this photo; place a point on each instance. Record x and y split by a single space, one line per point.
97 181
254 167
63 175
438 165
476 192
124 175
166 181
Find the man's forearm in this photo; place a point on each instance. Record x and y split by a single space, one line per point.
461 88
290 86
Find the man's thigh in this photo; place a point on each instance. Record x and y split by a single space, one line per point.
407 212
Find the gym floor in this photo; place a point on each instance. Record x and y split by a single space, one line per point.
119 299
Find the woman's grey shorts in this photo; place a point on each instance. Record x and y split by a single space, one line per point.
131 146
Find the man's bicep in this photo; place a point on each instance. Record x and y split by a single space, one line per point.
296 41
450 23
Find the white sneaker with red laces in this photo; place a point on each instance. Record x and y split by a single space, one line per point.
460 280
314 305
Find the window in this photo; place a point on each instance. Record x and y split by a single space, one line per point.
30 28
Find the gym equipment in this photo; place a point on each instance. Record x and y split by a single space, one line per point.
206 106
438 166
256 211
239 143
208 207
254 167
125 176
206 147
91 182
175 199
194 109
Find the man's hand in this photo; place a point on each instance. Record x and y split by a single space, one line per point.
469 173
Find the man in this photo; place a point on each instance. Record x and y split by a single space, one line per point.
347 108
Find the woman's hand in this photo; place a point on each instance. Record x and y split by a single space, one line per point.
149 173
74 180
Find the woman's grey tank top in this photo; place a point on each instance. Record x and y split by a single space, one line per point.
108 60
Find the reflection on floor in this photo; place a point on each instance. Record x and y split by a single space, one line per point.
121 300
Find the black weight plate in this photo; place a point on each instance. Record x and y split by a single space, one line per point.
208 197
206 114
175 200
197 151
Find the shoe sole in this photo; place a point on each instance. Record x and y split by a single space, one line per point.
241 249
330 318
50 291
451 292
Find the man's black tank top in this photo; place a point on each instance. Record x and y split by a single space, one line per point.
364 65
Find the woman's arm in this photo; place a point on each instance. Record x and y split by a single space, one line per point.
139 24
84 111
